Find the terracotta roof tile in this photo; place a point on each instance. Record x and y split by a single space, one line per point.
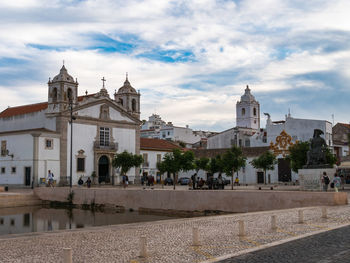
157 144
345 124
13 111
25 109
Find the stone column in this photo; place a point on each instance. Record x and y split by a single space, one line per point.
36 136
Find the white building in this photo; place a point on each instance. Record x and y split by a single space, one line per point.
153 152
36 138
278 135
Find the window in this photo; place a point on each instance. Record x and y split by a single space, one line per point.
54 95
69 94
1 221
3 170
133 105
26 219
104 136
159 158
49 144
247 143
145 157
12 222
13 170
3 148
121 101
243 111
80 164
168 133
254 111
240 143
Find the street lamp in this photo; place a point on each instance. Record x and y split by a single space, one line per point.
71 140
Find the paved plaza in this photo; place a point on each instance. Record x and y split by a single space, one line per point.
171 240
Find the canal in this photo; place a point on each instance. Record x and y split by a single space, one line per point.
21 220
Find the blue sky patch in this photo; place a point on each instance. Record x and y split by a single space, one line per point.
169 56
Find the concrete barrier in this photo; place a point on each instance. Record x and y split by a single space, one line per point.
184 200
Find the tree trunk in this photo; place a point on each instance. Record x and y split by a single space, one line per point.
174 180
265 176
232 181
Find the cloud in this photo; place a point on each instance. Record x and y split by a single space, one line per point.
190 60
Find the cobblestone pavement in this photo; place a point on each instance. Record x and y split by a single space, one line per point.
327 247
171 240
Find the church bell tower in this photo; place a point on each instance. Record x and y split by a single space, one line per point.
248 111
62 90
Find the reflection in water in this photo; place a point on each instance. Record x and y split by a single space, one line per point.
39 219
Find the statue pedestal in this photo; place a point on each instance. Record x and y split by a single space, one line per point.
311 179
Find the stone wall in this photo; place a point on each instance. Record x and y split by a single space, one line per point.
185 200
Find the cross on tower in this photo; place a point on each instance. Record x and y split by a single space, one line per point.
103 81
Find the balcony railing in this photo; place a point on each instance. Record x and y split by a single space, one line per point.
102 145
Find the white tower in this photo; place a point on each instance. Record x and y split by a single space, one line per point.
248 111
62 89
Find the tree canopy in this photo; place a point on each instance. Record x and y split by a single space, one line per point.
232 161
265 161
298 155
126 161
176 161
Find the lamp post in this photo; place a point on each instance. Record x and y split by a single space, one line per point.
71 141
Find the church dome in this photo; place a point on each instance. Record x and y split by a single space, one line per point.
126 88
63 76
248 97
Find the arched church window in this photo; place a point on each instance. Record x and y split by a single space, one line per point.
133 105
121 101
70 94
54 95
254 111
243 111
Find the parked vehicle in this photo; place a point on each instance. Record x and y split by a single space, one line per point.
168 181
184 181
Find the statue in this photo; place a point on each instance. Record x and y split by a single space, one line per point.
316 156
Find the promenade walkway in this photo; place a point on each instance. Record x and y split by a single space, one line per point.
171 240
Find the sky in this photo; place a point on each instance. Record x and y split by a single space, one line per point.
191 60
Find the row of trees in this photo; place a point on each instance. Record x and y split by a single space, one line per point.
229 163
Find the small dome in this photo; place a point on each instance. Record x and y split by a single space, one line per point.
63 76
247 95
126 88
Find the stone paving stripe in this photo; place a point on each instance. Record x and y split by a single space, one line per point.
276 243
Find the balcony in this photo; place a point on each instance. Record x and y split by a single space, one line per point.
103 146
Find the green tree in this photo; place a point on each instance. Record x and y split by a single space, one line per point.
298 155
232 161
175 162
215 165
125 161
266 161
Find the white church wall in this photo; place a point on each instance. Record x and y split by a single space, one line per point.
21 146
299 129
27 121
83 139
49 159
117 116
126 139
221 140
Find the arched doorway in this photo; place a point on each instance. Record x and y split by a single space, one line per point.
103 169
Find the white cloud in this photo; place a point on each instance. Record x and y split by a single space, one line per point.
233 43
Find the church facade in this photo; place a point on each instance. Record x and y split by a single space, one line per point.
37 138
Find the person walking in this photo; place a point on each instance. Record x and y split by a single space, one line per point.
50 178
88 182
325 181
337 182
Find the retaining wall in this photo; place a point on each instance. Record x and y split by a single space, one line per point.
186 200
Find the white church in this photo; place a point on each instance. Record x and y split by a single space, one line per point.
36 138
277 136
